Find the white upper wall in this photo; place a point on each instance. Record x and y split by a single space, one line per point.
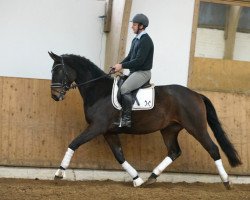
170 27
210 43
242 47
31 28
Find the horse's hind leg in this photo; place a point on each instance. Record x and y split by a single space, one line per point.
169 134
205 140
115 145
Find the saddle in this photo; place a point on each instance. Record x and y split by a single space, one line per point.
143 98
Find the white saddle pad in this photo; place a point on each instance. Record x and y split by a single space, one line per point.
145 96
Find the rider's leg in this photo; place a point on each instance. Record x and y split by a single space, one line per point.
134 81
127 101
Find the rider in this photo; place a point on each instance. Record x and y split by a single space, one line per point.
139 61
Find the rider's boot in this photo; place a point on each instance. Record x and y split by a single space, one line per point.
126 110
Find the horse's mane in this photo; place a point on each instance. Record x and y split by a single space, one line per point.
84 67
81 63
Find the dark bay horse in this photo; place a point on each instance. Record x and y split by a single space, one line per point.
176 108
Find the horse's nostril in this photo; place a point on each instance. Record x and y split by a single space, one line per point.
61 98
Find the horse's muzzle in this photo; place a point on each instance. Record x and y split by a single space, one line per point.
58 91
57 98
57 94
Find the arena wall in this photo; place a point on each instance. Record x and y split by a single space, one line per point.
220 75
35 131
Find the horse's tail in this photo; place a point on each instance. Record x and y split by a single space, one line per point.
220 134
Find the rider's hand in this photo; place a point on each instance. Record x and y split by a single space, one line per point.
117 67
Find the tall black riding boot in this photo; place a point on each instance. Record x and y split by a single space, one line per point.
126 110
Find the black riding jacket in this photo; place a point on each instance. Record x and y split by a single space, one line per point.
140 56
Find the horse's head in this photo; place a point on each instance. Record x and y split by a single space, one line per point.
62 77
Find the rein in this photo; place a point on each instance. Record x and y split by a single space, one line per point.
73 86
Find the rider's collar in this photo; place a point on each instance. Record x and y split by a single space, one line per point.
138 36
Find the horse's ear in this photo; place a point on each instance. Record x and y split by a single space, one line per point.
54 56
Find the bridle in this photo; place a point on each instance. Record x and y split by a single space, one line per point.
65 86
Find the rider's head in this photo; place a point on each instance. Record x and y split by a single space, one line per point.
140 22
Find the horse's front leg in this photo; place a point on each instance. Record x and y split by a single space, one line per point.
84 137
115 145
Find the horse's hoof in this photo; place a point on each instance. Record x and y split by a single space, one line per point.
228 185
58 178
60 174
150 181
138 182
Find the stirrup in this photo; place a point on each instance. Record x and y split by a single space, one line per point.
126 123
117 122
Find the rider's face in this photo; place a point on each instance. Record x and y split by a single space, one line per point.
136 27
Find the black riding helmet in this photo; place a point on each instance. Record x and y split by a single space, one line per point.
141 19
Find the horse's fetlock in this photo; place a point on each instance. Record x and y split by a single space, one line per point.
175 155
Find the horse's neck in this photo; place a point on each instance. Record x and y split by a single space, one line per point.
94 91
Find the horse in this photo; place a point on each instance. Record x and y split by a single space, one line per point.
176 108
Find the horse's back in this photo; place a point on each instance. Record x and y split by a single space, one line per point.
179 96
176 90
